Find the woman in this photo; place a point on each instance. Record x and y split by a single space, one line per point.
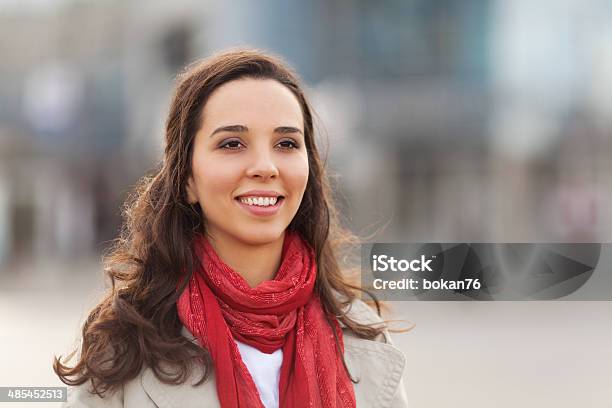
226 289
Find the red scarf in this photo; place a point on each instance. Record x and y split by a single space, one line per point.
219 305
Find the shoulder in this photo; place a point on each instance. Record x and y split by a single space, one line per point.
144 391
82 396
362 313
377 365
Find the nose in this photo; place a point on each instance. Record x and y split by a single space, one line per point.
262 166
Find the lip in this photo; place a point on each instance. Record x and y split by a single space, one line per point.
261 211
259 193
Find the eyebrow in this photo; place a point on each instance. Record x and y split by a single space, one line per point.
244 129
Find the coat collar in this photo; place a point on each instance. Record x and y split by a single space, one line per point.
376 365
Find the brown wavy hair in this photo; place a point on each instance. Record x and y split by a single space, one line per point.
136 323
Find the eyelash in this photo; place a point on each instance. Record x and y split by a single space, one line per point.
225 145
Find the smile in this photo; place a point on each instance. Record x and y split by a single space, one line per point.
259 201
260 206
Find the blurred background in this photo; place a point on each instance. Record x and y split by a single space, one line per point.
446 121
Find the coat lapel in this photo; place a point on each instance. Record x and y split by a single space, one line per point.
184 395
377 367
377 364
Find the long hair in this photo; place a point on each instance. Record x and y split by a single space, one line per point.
136 323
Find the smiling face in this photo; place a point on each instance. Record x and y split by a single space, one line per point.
249 163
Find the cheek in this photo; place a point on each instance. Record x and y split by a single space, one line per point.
214 179
298 174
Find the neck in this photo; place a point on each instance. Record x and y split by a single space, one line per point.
255 263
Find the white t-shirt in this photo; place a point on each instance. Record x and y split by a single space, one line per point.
265 370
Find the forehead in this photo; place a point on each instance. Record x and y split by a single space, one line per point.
252 102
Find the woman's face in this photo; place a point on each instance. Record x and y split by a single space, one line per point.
249 164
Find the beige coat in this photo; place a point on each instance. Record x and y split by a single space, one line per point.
378 365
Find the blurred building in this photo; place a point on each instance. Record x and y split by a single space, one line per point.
446 120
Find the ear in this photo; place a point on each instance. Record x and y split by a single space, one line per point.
192 198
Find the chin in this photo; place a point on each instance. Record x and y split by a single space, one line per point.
261 237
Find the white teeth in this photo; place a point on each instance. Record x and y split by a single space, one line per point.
260 201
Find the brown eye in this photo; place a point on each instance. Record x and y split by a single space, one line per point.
231 145
288 145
